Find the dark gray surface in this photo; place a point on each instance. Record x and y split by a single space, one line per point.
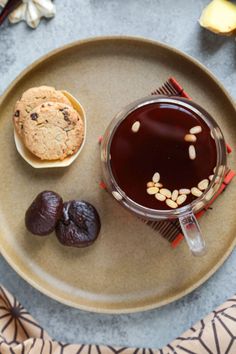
171 22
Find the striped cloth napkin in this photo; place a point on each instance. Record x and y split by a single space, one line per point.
21 334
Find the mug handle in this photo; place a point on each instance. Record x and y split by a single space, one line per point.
192 234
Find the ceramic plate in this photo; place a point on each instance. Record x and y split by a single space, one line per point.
130 267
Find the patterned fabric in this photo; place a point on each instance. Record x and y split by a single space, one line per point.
21 334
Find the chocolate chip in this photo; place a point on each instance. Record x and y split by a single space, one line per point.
43 105
34 116
66 116
67 119
17 113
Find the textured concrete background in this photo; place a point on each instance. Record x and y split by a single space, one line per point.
169 21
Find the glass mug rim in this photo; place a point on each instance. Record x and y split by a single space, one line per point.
157 214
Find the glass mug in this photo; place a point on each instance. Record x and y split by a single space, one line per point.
186 213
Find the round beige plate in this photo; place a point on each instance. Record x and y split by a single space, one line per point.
130 267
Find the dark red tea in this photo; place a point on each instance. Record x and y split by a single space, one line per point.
152 139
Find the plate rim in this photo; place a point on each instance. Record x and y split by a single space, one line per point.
130 309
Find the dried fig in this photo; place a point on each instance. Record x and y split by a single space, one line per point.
44 212
79 225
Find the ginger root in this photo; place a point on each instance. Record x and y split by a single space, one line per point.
219 17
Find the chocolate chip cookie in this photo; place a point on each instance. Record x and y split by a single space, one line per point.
53 131
31 99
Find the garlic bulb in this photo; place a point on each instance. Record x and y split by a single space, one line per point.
31 11
3 2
